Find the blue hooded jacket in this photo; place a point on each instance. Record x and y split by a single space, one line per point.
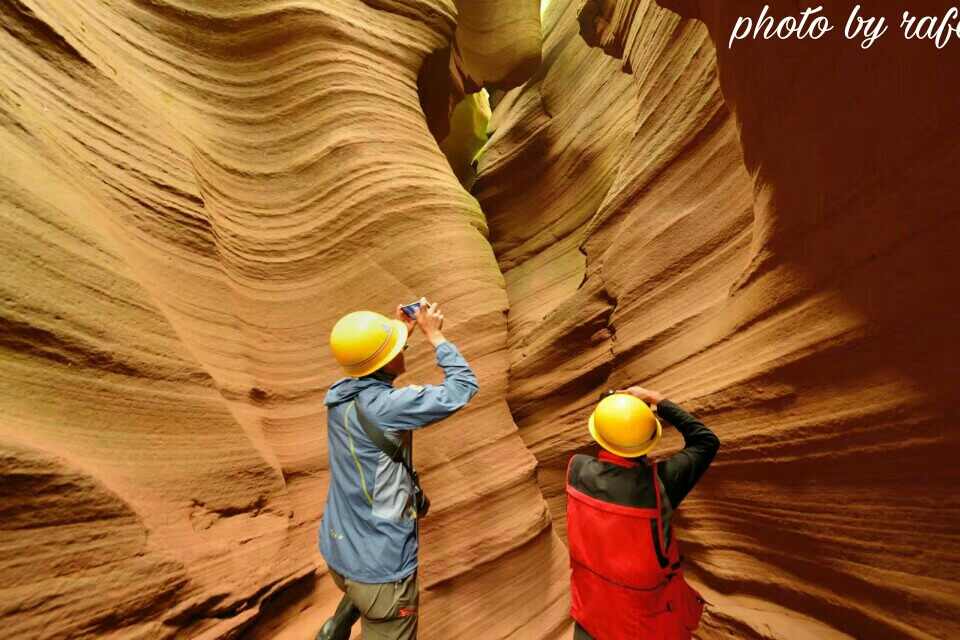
368 532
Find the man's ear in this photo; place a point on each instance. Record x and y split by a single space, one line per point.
394 364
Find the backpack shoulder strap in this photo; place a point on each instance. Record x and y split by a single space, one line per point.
656 526
392 450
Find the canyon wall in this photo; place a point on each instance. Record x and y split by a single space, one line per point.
773 246
193 192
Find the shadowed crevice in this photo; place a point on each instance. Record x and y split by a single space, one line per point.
36 34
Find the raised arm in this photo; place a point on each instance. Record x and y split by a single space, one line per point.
414 406
681 473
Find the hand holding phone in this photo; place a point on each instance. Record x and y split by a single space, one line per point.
410 309
427 316
407 314
430 320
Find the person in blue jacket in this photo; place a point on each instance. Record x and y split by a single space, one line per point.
368 533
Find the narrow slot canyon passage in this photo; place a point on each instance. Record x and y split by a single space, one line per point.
636 248
600 193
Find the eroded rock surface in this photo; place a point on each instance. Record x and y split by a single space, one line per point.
192 194
784 265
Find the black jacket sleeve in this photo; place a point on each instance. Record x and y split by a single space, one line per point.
680 473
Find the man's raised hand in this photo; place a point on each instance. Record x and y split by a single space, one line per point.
652 398
430 319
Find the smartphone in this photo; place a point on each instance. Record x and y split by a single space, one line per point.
410 309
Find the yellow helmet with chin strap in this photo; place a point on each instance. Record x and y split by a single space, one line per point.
625 426
364 341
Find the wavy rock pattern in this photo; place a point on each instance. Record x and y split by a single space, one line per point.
795 297
192 194
496 45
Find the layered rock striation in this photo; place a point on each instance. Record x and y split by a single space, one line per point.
772 246
193 192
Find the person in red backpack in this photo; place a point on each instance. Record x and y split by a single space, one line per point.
626 572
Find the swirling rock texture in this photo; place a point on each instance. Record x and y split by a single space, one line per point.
193 192
784 264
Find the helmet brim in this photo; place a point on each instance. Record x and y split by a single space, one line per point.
387 355
627 452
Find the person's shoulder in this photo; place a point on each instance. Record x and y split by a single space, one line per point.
577 463
383 399
406 391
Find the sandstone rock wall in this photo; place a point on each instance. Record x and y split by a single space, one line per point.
192 194
783 264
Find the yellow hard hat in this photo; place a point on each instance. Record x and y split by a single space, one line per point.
364 341
625 426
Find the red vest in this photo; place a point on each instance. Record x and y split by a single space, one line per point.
624 584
